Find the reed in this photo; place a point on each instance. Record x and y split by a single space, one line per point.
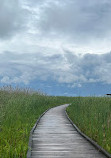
93 116
19 110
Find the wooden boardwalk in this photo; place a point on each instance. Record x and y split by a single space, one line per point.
55 137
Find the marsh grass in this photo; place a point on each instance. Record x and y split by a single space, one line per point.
93 116
19 110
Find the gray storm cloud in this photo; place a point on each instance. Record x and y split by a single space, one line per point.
50 27
67 68
12 18
77 19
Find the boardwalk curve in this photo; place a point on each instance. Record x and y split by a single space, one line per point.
55 137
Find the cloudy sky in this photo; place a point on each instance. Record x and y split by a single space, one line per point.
62 47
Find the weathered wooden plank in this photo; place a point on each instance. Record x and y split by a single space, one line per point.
55 137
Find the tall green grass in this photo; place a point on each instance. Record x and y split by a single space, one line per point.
19 110
93 116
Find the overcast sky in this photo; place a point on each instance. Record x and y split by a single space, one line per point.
61 41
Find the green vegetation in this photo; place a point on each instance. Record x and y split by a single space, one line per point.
19 110
93 116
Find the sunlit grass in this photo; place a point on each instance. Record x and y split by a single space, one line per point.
19 110
93 116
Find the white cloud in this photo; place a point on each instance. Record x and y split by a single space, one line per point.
51 40
5 79
63 68
75 85
83 27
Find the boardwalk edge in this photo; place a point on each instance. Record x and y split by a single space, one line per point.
89 139
31 132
